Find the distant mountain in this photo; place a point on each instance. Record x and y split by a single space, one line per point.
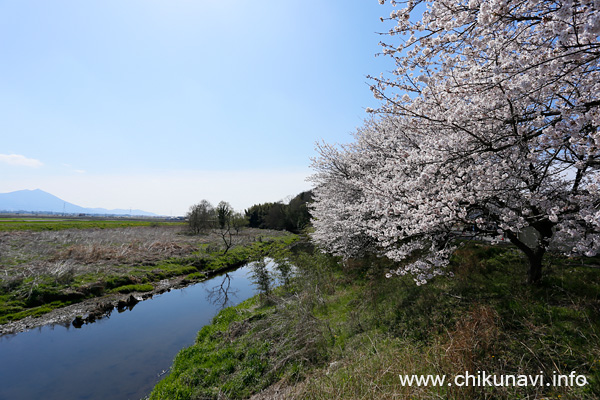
39 201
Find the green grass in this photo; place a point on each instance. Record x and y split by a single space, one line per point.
343 331
52 224
132 288
199 370
22 312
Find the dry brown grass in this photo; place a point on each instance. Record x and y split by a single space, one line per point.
475 334
70 252
372 372
470 347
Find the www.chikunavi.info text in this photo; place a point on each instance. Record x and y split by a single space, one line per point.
482 378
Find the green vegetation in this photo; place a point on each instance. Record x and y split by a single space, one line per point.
52 224
66 273
133 288
199 370
344 331
293 217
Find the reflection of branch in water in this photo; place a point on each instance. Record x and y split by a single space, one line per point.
219 294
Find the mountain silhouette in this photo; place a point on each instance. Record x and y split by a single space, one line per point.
39 201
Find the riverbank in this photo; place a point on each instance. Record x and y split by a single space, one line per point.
121 356
344 331
79 275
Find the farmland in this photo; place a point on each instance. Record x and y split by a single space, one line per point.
50 223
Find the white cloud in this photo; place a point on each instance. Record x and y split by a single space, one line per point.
72 169
19 160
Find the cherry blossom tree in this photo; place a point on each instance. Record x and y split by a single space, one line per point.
490 119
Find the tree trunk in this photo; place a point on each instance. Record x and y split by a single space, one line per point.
534 256
544 228
534 275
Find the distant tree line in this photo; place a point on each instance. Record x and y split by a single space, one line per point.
293 217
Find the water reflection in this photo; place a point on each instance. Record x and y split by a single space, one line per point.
120 357
219 295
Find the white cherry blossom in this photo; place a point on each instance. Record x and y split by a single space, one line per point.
491 121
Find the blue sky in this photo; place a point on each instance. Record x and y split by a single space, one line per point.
156 104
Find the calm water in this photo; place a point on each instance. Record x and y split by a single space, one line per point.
119 357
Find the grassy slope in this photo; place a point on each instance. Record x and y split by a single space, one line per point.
347 333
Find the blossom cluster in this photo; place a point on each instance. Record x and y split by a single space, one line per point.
490 123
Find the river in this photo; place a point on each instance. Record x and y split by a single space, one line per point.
118 357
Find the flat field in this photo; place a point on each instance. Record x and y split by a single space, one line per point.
32 223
